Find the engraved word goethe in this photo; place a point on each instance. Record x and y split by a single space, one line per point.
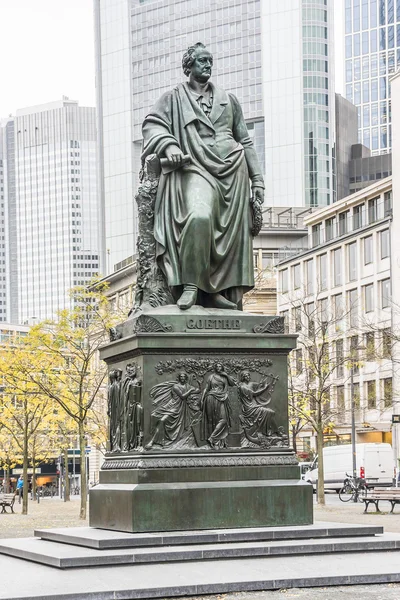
213 323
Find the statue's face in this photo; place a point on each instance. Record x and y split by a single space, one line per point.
246 377
202 65
131 370
182 377
219 368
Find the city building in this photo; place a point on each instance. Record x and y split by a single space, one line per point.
372 55
52 209
3 234
364 168
345 276
277 58
346 137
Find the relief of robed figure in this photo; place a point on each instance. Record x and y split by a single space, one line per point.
216 408
175 403
132 410
114 409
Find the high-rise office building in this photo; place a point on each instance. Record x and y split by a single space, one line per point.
276 57
3 233
52 211
372 55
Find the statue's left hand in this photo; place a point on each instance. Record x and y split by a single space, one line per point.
258 194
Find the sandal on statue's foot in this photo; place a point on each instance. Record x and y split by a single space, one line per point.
219 301
188 297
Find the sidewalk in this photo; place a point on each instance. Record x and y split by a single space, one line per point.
53 512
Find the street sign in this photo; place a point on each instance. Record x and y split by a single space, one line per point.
38 470
395 418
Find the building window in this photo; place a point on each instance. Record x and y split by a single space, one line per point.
299 361
343 222
329 229
386 344
353 308
385 293
368 250
310 317
284 281
384 243
341 406
357 216
352 261
297 318
354 353
309 272
371 394
372 210
337 301
339 358
316 234
296 277
337 266
323 275
285 316
323 308
369 297
387 202
387 392
370 346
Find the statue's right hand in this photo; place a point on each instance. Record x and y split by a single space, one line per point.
174 154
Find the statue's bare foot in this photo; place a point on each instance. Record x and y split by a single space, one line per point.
218 301
188 297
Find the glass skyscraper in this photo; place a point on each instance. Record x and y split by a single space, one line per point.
372 54
52 209
275 57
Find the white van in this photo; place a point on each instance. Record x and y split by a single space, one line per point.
375 463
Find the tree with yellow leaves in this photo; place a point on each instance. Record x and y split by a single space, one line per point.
70 372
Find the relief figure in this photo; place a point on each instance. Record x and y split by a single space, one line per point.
114 409
131 397
257 419
216 418
174 405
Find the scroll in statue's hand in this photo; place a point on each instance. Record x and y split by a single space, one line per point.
174 155
258 194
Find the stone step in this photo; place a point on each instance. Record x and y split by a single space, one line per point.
65 556
103 539
32 581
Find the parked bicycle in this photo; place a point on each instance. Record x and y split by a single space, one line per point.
354 488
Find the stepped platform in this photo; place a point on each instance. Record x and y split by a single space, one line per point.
94 564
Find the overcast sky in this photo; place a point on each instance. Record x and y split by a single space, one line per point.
46 51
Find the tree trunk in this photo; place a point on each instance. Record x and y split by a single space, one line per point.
320 487
33 479
7 480
82 447
294 438
66 477
25 473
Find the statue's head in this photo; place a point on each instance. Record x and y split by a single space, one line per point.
197 62
219 367
131 370
245 376
118 374
182 377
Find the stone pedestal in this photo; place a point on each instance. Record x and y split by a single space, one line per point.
199 431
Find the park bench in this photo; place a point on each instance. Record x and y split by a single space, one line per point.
391 495
7 500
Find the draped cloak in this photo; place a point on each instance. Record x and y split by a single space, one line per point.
223 159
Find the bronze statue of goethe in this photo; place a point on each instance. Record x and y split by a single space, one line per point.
202 215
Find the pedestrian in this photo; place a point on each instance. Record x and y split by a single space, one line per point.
20 489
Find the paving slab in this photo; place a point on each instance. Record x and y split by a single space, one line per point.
195 578
66 556
91 537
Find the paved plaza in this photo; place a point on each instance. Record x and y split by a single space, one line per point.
53 512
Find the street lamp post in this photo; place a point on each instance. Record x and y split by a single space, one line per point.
353 424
